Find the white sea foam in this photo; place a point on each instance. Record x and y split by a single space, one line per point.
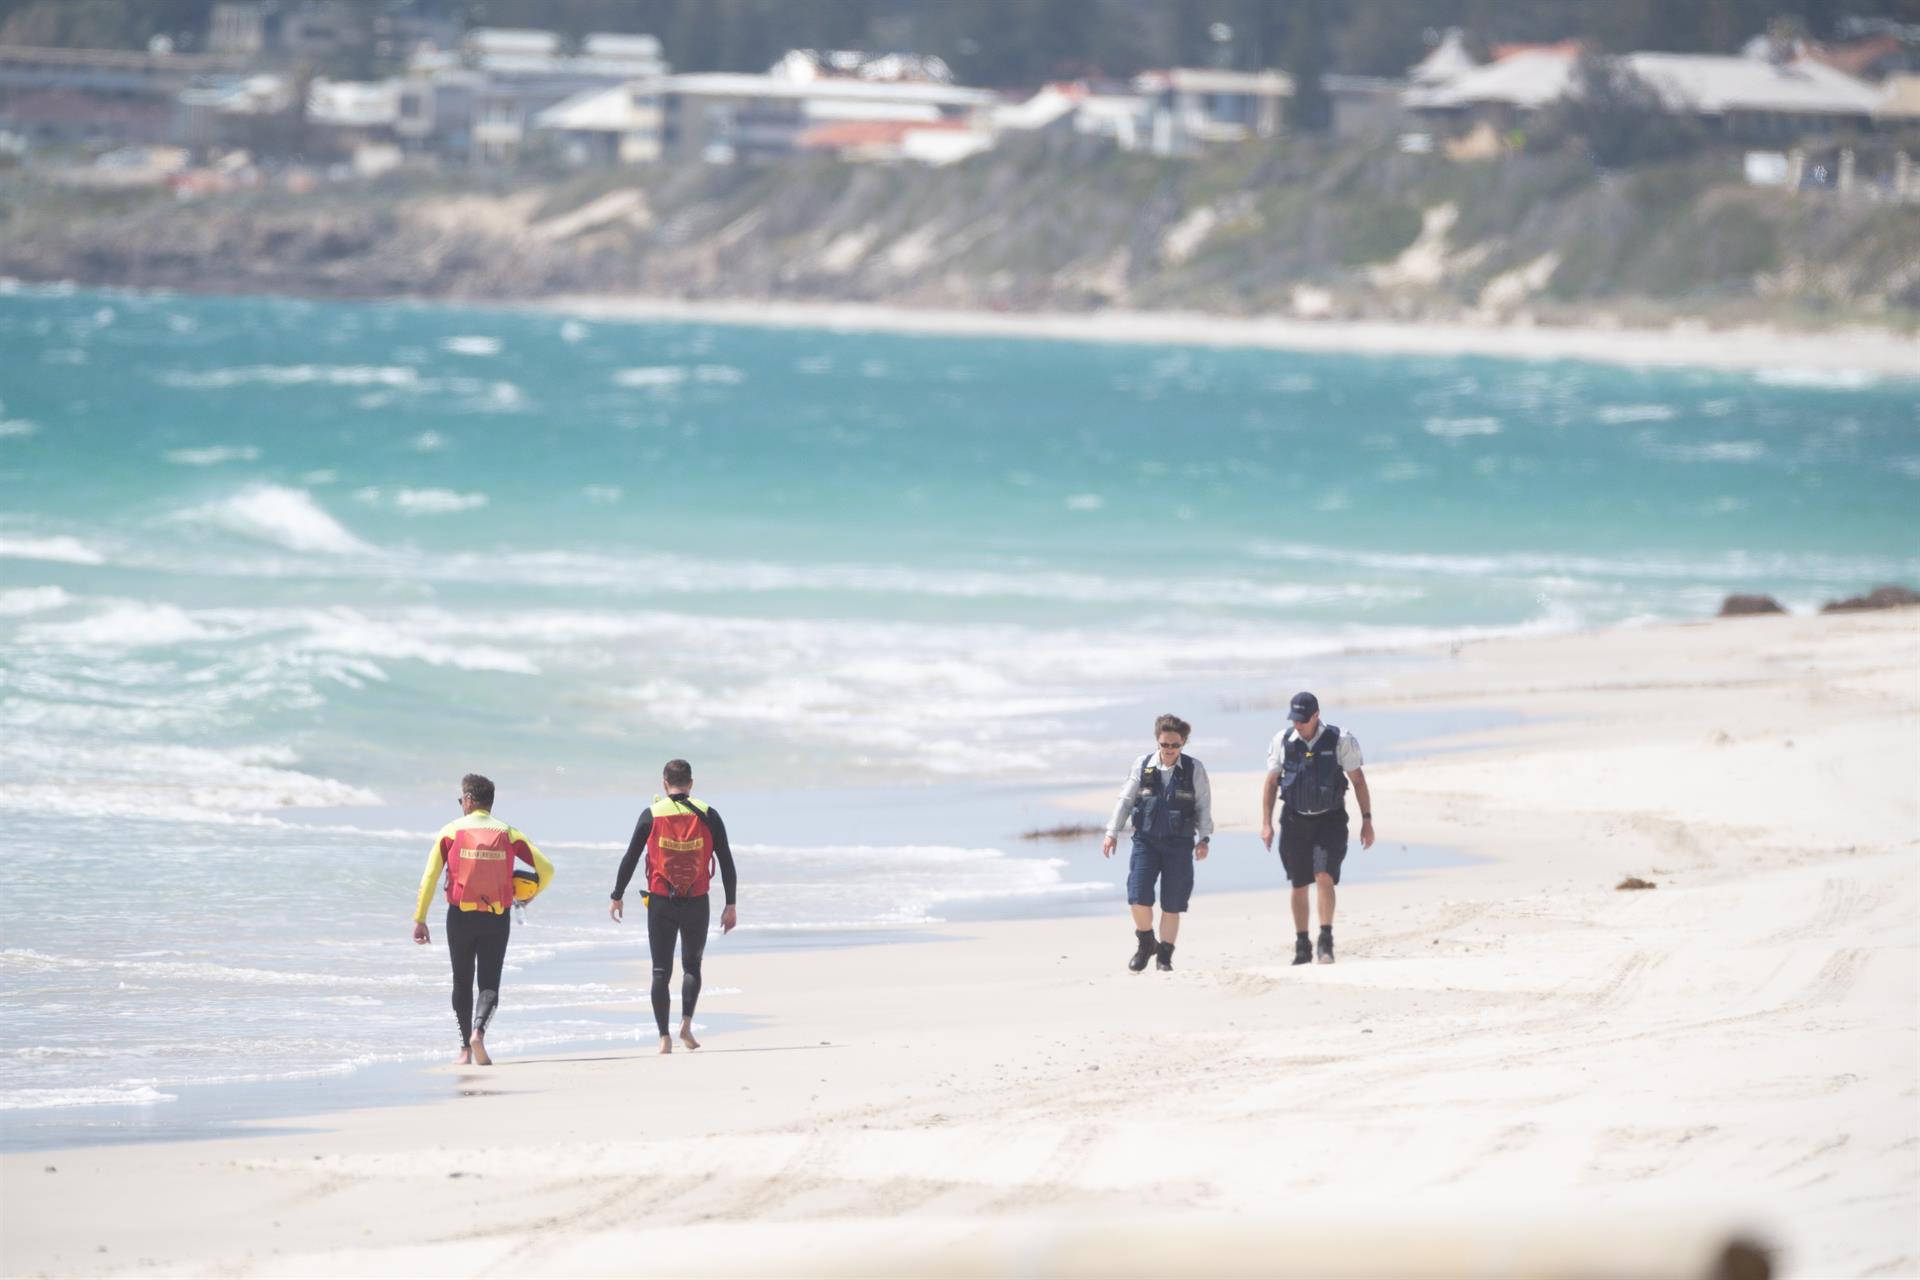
1710 451
1460 428
21 601
214 455
434 502
423 502
651 376
602 493
1817 379
167 781
347 631
1085 502
429 442
472 345
574 331
122 625
294 375
285 517
60 549
18 429
1614 414
1729 565
82 1096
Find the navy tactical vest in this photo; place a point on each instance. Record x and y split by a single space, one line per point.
1311 780
1162 814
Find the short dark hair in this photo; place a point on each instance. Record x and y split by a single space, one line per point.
678 773
477 789
1175 723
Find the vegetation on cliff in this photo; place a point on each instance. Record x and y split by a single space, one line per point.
1294 227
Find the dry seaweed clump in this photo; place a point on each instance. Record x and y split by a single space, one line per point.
1635 882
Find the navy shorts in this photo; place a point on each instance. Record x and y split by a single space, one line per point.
1169 862
1312 845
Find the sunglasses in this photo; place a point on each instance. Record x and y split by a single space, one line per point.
1172 746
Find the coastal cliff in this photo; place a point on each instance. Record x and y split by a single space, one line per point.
1059 225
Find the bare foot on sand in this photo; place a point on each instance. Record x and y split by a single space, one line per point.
465 1058
686 1036
480 1058
666 1044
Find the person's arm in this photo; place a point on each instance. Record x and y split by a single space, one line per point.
1269 789
1350 760
436 862
527 851
1122 807
1359 779
635 847
728 878
1202 811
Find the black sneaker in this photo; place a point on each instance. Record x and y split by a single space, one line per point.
1326 948
1143 954
1302 951
1165 964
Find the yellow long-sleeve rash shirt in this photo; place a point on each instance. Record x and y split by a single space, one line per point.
523 849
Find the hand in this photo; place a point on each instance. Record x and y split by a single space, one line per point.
617 910
728 919
1106 847
420 934
1366 833
1200 852
1266 834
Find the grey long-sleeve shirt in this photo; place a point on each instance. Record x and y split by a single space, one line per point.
1202 798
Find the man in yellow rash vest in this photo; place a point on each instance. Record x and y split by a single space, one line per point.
477 852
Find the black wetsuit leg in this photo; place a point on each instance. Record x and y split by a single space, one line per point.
671 920
476 940
694 919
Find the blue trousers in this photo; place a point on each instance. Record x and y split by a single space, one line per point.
1168 861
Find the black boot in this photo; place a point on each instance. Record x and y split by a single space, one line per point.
1165 964
1302 950
1145 951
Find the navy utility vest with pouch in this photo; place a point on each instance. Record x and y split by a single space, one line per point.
1311 780
1161 812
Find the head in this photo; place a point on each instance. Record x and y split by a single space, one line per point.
1170 733
1304 711
677 777
476 792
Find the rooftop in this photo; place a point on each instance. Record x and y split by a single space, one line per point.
727 84
1715 85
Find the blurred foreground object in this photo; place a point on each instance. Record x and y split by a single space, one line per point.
1625 1250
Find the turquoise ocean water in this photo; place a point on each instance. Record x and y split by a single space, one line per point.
273 574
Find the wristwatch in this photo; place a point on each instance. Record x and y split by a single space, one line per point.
1365 816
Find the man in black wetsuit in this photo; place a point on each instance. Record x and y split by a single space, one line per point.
681 839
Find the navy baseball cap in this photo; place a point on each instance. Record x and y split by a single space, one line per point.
1305 707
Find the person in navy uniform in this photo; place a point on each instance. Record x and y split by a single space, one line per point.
1308 767
1171 804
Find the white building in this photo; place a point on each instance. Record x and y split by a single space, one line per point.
726 115
1741 97
1192 107
482 100
621 125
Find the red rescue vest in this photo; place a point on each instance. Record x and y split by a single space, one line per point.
680 857
480 866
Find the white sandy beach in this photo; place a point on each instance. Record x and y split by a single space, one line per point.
1514 1069
1789 357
